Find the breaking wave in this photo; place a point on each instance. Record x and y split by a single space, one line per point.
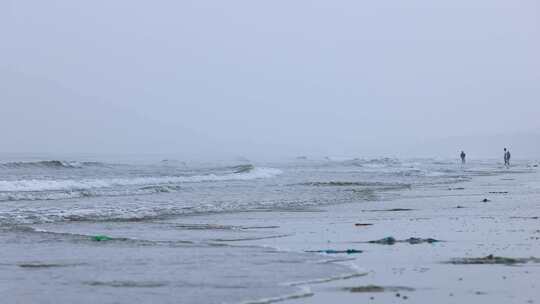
385 161
243 168
66 194
159 184
50 164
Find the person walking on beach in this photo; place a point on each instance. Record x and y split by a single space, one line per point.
463 157
506 157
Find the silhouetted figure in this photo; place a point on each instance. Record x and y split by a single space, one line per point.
506 157
463 155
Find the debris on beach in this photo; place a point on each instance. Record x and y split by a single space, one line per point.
36 265
375 288
101 238
384 241
491 259
363 224
44 265
332 251
459 207
412 240
368 288
457 188
486 200
390 210
498 192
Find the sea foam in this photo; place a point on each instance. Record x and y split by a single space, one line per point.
85 184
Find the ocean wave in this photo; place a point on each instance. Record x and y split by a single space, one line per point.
375 162
243 168
67 194
104 214
50 164
38 185
142 209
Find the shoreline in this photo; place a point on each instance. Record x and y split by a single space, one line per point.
467 227
395 246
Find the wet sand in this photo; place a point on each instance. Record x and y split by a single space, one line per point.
473 242
469 229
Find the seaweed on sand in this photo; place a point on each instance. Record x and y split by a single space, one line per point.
332 251
491 259
38 265
375 288
388 210
384 241
412 240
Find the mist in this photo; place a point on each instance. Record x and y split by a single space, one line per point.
270 78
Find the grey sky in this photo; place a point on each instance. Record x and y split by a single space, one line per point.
264 77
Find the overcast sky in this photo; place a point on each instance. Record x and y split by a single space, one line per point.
264 77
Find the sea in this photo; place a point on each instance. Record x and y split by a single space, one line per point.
104 230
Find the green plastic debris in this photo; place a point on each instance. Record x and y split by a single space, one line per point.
101 238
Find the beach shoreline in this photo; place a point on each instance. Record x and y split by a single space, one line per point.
391 242
467 227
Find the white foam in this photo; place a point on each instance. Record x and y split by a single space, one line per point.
328 279
69 185
304 292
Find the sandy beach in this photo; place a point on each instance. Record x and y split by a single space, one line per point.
508 225
318 233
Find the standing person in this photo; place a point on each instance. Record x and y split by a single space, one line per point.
463 157
508 158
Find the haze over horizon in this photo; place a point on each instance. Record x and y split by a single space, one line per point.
257 79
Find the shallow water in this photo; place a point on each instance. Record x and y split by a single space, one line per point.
50 209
